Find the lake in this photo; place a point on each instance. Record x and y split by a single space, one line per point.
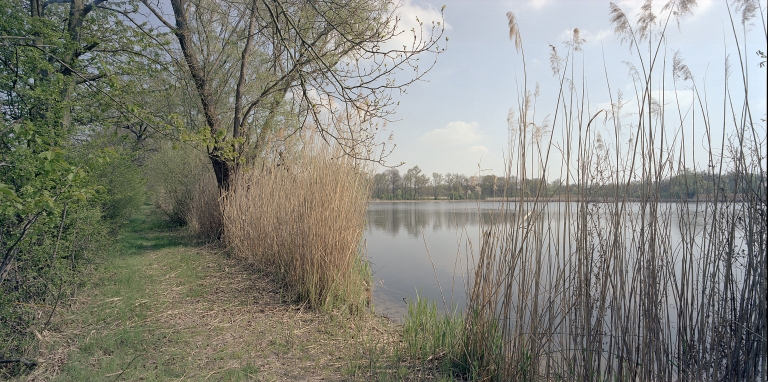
424 247
412 245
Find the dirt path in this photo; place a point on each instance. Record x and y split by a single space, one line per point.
163 310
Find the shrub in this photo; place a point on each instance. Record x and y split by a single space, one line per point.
204 214
47 270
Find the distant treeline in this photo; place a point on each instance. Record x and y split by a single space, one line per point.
688 185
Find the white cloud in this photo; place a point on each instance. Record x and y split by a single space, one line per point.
409 17
632 8
478 149
698 12
704 5
672 99
586 34
537 4
454 134
602 34
458 147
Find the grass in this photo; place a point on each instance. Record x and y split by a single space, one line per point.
160 308
112 328
430 335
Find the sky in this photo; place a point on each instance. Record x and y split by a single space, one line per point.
456 119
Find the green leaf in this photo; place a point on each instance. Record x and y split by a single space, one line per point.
7 191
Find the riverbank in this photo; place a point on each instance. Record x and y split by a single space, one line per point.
163 308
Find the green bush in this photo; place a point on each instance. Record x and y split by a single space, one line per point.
47 271
70 233
124 186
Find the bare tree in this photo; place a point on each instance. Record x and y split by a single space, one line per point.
267 68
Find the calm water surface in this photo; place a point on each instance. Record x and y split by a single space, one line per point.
401 237
425 247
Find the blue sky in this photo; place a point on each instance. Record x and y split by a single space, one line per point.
456 120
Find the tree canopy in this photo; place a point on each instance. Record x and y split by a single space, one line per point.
264 69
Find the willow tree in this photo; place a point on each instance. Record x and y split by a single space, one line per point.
266 66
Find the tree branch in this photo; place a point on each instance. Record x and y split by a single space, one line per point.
11 252
237 122
158 15
183 34
26 362
79 52
89 78
88 8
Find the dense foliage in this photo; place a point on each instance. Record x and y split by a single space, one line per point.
66 179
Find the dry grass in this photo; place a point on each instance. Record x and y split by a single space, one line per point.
204 214
303 217
183 186
198 315
625 290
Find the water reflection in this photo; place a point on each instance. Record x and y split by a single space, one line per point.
426 246
421 246
415 217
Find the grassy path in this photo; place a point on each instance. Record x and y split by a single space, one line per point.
160 309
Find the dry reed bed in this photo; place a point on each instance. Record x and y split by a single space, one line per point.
303 218
640 290
204 213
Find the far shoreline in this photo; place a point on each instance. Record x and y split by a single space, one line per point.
556 200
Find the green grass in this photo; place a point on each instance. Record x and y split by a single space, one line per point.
148 231
159 308
427 332
117 335
430 346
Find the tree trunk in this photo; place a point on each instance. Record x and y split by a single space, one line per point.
223 169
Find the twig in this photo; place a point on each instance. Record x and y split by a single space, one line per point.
126 368
55 305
